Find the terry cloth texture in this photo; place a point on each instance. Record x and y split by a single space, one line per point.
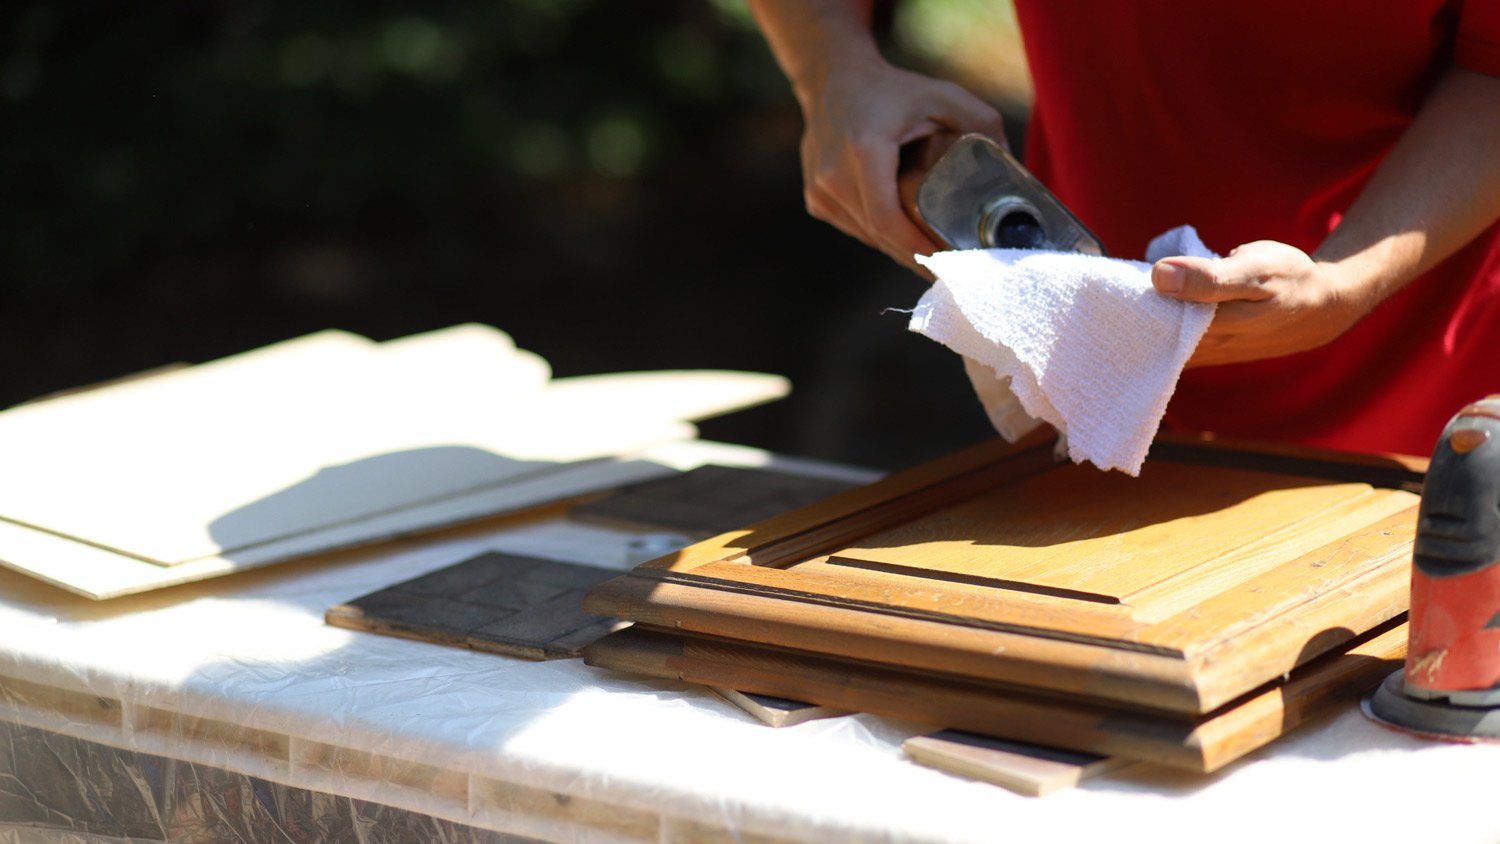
1084 344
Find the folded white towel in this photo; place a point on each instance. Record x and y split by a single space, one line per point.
1082 343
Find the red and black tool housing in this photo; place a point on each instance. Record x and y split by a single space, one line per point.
1455 597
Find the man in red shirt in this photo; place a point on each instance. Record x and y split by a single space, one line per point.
1345 156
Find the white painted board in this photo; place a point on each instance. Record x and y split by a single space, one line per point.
320 443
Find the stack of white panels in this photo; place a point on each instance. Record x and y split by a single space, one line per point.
320 443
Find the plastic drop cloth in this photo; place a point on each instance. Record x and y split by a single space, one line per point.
65 790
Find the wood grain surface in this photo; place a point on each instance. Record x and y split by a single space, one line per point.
1178 591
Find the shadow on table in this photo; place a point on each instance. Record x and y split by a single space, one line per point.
335 515
362 492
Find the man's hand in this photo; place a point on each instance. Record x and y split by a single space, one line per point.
1273 300
857 120
859 110
1436 191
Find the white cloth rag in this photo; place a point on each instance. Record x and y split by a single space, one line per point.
1082 343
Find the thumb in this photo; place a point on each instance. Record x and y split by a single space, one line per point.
1207 279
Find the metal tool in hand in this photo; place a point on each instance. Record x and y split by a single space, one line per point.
967 192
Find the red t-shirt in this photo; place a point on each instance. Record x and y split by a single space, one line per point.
1262 121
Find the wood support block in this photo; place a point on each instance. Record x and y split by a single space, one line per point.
500 603
1022 767
777 711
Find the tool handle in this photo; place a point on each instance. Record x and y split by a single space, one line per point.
967 192
917 160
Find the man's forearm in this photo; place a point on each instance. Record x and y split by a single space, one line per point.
858 111
808 36
1436 191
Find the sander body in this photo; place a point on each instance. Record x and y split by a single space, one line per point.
1450 685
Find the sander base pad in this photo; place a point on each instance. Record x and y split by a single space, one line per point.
1435 719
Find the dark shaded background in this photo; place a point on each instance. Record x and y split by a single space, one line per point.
613 184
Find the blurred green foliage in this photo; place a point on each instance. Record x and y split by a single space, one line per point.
935 29
126 121
613 183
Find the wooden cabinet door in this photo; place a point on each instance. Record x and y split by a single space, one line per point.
1215 571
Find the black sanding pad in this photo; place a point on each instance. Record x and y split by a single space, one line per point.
1435 719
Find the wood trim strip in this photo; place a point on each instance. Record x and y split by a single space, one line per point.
985 609
1025 768
1087 670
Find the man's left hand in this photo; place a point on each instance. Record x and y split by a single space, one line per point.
1274 300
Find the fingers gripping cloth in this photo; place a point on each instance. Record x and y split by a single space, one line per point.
1082 343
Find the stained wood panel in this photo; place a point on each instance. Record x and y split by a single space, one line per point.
1153 544
1219 569
1204 743
1101 534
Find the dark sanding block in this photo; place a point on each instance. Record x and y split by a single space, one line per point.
499 603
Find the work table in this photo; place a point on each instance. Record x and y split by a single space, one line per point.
241 674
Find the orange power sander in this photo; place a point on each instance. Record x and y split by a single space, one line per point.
1450 687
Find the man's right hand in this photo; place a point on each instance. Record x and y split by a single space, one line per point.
858 111
856 123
